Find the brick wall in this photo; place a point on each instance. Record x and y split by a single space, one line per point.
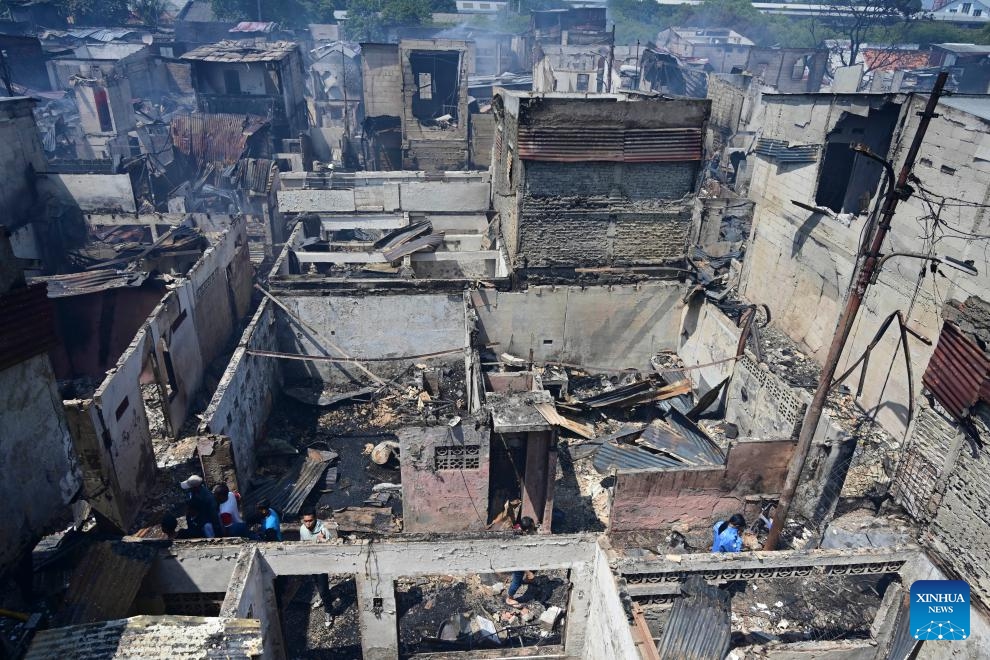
636 181
959 531
561 236
761 404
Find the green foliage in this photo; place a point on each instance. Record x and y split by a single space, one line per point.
406 12
87 12
643 19
290 13
149 11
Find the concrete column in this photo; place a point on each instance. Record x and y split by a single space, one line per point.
578 608
378 617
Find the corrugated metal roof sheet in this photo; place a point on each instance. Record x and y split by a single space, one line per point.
698 627
682 437
630 457
242 51
958 374
105 35
27 324
609 143
151 637
78 284
105 582
214 138
254 26
781 150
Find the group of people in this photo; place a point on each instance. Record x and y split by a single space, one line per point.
214 513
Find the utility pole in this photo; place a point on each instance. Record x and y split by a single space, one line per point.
611 59
5 73
896 193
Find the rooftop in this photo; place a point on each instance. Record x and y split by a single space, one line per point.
242 51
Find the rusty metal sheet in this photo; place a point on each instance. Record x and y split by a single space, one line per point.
958 374
78 284
105 582
568 144
214 137
27 324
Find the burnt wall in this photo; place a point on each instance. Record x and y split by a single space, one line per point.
551 236
450 495
943 477
697 496
635 181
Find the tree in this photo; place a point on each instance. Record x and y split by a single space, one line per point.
149 11
864 21
369 20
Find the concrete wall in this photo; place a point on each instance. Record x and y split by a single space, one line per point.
414 196
443 500
800 264
111 435
610 327
761 404
251 595
243 400
708 336
97 192
381 76
609 634
21 154
696 496
974 648
371 326
40 470
196 320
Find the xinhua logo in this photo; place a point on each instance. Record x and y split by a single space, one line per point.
940 610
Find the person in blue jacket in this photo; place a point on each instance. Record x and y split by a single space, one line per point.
271 524
728 534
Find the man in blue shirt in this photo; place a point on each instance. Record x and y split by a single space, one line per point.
728 534
271 525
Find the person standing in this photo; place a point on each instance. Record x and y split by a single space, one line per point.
313 530
526 526
727 535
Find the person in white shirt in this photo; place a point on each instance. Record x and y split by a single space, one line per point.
230 514
312 529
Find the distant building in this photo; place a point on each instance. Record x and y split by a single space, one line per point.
564 27
960 11
969 64
571 69
724 49
243 77
479 7
416 104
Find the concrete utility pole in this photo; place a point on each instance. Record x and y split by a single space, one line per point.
899 191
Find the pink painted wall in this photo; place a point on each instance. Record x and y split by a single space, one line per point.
648 500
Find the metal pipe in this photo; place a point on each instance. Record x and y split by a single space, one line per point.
844 326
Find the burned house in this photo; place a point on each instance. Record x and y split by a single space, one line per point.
722 49
572 69
416 104
244 77
569 27
599 181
